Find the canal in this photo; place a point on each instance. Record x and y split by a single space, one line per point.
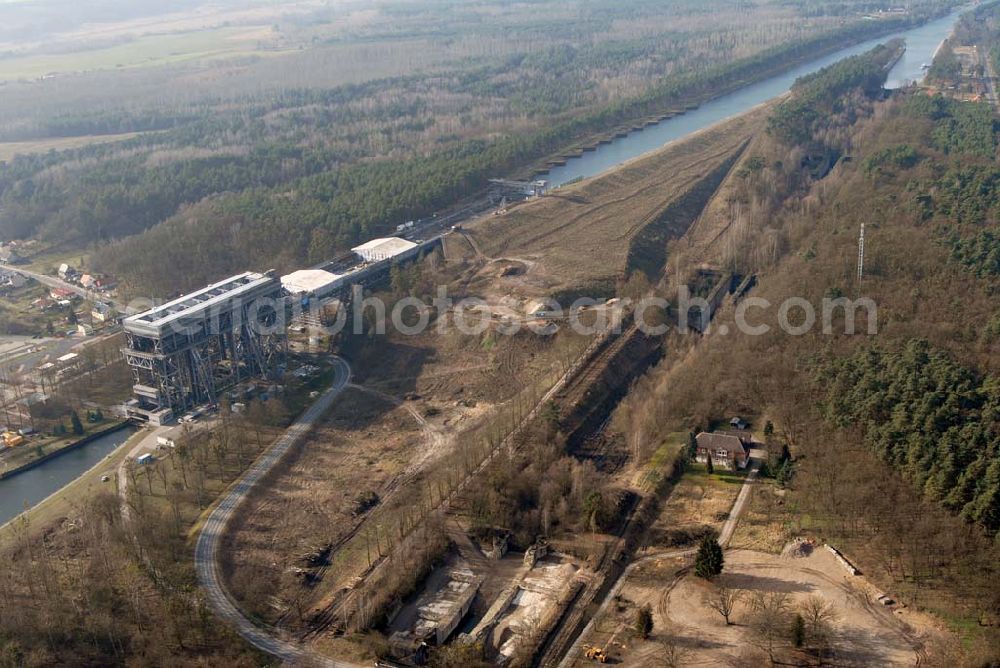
34 485
27 488
921 43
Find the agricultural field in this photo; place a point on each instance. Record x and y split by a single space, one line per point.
8 150
147 51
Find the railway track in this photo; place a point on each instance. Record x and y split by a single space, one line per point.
326 618
330 613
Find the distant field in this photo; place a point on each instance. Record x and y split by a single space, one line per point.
10 149
142 52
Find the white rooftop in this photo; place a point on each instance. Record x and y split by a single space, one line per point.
385 247
309 280
221 294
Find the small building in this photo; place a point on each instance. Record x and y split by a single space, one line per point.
66 271
12 439
144 459
88 281
537 551
725 450
499 544
14 280
738 423
102 312
68 358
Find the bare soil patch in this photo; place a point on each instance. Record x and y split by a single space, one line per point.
866 632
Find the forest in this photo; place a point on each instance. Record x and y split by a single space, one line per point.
893 436
820 95
318 167
927 416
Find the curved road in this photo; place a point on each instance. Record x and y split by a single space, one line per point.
207 548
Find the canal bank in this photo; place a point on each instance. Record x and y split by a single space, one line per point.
72 472
921 43
89 438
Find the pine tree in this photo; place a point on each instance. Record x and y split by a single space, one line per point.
709 467
77 425
644 621
798 631
783 474
709 560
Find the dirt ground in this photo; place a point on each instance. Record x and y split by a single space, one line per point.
361 446
866 633
580 234
412 398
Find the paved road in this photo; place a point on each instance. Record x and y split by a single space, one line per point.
724 537
54 282
207 548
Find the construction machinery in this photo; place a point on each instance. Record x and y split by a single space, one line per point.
594 653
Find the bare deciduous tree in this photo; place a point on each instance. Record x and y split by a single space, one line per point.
724 601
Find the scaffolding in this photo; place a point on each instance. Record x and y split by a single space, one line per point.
516 190
183 353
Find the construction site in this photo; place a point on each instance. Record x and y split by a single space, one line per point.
399 513
471 495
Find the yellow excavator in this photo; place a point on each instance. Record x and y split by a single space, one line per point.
595 653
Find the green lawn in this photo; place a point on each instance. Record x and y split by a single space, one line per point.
661 462
699 473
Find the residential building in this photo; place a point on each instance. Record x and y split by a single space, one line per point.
726 451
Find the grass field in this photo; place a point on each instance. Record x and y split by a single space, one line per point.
141 52
10 149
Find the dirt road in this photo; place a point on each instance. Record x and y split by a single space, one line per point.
727 532
739 505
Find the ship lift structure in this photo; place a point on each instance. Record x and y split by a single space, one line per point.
184 352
